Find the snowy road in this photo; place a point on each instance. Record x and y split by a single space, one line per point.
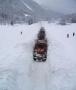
18 71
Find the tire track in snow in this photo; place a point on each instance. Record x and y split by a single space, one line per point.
39 73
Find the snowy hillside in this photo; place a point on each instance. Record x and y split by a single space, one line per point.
16 11
18 71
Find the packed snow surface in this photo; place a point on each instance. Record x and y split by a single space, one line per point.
18 71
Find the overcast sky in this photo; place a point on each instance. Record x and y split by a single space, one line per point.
63 6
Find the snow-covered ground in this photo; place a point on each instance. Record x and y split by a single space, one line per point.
18 71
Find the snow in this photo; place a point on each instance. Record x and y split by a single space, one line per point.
27 15
18 71
26 5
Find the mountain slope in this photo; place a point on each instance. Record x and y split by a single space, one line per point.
22 10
